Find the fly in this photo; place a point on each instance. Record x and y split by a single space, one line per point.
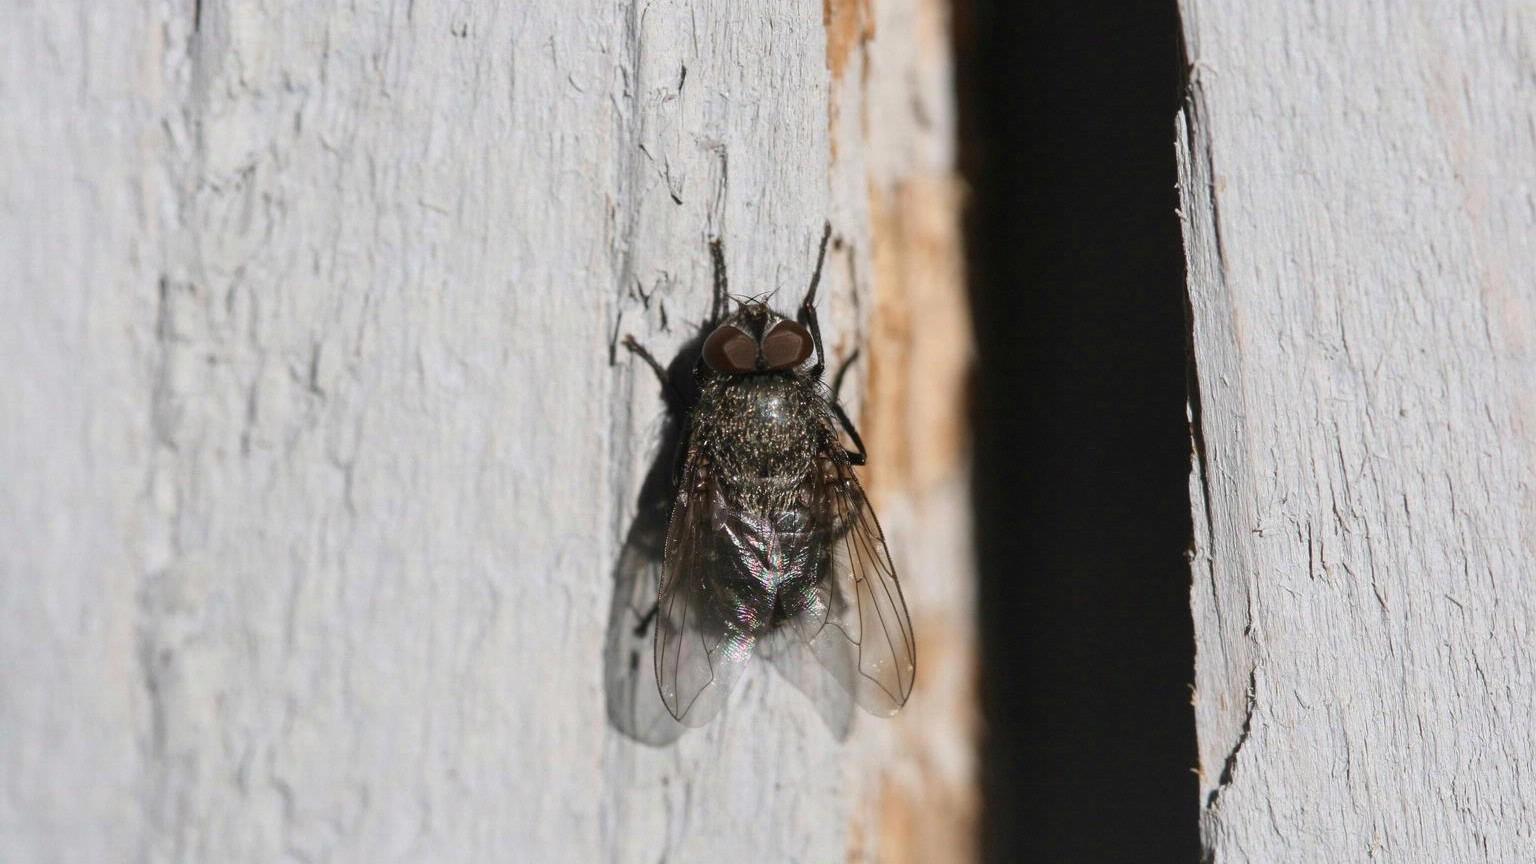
772 546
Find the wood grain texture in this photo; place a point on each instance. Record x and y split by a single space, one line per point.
1359 197
79 238
318 455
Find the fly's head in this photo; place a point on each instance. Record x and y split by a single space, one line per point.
755 340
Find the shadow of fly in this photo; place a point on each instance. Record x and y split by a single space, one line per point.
753 536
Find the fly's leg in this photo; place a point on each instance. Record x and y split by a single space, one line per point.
808 305
674 399
640 351
858 455
645 620
847 510
717 262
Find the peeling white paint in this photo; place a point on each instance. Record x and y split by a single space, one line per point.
315 460
1357 200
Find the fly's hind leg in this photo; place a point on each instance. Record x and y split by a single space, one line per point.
674 397
644 623
858 455
640 351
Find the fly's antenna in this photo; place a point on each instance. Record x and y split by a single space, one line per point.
743 302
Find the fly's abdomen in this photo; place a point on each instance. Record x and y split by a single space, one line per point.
766 561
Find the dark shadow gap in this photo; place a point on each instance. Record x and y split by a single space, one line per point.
1082 446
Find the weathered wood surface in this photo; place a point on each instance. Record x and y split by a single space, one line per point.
1358 185
318 458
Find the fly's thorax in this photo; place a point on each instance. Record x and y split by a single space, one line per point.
761 432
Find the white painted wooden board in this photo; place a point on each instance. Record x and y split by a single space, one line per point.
1359 203
316 459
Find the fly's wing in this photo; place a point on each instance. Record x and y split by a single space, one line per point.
713 604
854 618
796 661
634 703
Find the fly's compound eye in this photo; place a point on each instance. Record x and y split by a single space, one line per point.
786 345
730 350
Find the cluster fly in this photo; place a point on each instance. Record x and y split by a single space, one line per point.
772 546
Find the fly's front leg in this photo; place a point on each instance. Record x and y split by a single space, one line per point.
808 305
858 455
722 287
